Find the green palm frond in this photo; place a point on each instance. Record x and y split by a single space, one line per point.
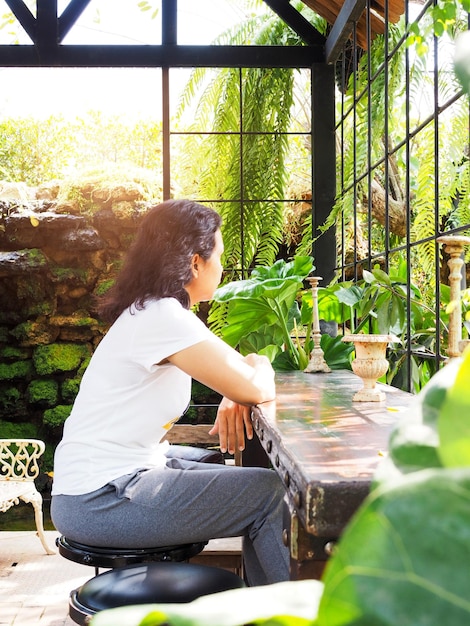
246 172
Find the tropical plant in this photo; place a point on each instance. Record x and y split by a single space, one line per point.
400 189
242 162
35 150
270 313
382 303
263 310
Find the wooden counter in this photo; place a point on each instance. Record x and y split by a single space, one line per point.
325 448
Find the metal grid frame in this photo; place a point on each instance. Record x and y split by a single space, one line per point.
363 175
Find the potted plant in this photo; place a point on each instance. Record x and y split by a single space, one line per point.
378 304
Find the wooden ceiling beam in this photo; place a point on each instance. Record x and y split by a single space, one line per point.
296 21
349 14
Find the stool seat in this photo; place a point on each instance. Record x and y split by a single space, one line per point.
119 557
148 584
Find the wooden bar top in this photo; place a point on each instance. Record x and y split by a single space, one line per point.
324 446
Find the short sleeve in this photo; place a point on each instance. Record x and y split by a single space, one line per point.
163 328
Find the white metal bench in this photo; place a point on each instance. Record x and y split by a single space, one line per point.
18 469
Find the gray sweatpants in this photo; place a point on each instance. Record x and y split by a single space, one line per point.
184 502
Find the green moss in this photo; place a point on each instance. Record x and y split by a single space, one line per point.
33 333
13 403
70 387
11 430
9 397
10 353
63 274
18 369
57 416
24 330
79 319
32 258
83 366
4 334
103 286
45 307
35 255
58 357
44 392
30 287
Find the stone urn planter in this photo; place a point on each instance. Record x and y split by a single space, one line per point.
370 364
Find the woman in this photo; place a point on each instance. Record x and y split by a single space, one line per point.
113 485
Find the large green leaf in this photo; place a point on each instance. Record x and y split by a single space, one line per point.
268 299
454 420
330 308
300 266
249 288
284 362
281 604
414 442
404 560
272 282
337 354
261 339
350 295
245 317
462 60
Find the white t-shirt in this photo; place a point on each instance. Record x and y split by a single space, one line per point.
126 401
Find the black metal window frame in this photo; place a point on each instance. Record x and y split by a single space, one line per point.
363 175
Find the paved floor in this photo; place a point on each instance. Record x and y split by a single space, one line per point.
34 586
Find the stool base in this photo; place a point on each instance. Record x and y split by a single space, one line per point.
149 583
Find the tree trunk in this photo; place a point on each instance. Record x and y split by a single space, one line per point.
396 210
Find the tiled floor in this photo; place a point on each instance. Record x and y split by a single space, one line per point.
34 586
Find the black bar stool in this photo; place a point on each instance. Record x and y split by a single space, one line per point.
148 583
121 557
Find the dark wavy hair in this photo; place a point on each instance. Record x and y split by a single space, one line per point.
158 264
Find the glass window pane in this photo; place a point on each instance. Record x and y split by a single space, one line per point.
301 109
118 23
202 22
206 167
133 92
205 100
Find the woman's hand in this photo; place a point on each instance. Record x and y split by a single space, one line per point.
232 424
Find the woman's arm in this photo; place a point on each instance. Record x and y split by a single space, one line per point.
246 380
242 381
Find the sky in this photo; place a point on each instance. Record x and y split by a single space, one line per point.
136 92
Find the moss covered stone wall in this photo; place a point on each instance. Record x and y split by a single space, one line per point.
57 252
